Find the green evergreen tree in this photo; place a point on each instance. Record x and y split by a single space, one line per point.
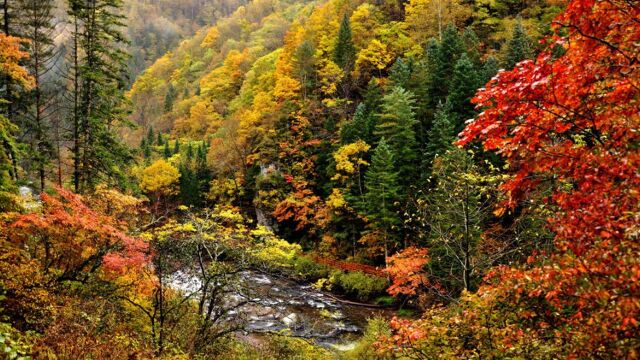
463 86
189 151
170 98
150 136
441 134
396 125
189 186
372 103
472 46
146 151
381 182
357 128
99 84
176 147
304 66
442 57
34 108
167 150
344 53
400 73
159 140
489 69
456 210
520 46
202 172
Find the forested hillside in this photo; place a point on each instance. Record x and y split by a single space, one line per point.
157 26
292 102
421 179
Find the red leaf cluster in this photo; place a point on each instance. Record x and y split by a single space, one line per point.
74 239
406 270
571 120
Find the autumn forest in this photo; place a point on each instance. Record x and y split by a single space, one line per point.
320 179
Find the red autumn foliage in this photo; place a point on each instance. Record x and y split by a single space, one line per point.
570 119
71 239
406 334
406 270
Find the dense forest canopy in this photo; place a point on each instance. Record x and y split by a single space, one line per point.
463 173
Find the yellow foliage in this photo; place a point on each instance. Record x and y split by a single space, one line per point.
225 191
160 177
210 39
365 19
336 200
345 153
272 250
427 18
223 82
330 76
202 120
287 88
375 57
348 159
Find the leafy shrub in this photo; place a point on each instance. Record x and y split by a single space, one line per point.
285 348
365 349
309 269
272 251
406 313
385 300
359 285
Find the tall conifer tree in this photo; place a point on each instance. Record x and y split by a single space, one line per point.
344 52
463 85
396 125
519 47
99 82
381 182
36 107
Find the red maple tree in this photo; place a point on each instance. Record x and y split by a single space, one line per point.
571 120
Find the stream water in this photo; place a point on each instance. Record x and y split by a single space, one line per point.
280 304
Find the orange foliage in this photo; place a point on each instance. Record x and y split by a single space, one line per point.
71 240
10 57
407 271
571 117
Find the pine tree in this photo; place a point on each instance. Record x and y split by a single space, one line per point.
381 182
472 46
357 128
441 134
189 186
372 103
189 151
159 140
176 147
442 57
99 83
489 69
400 73
344 52
36 107
519 47
150 136
396 125
170 98
304 58
167 150
146 151
463 87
